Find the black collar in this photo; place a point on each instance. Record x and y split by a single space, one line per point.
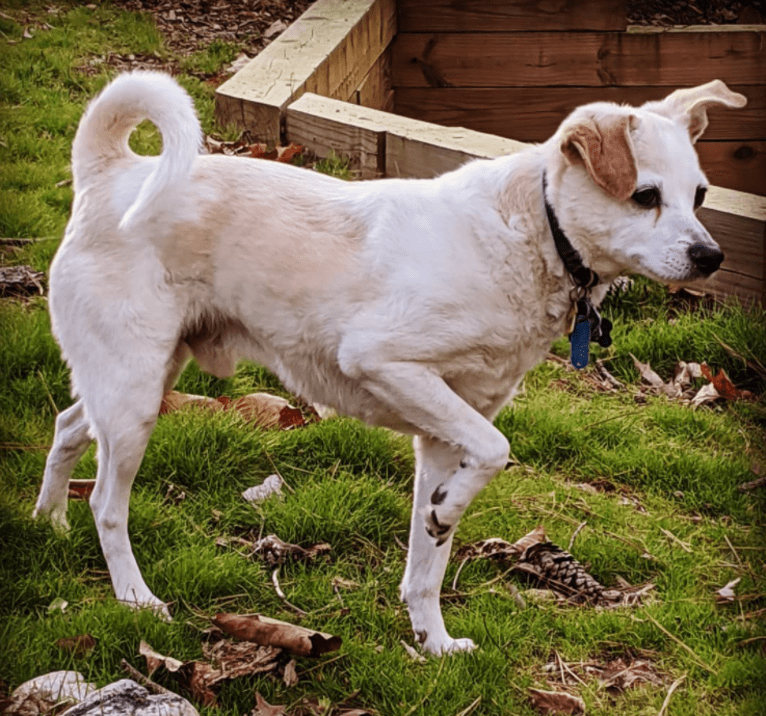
587 324
583 277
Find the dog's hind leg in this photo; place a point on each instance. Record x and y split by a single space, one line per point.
122 428
70 441
426 563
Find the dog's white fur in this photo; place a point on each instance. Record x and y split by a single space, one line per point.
414 304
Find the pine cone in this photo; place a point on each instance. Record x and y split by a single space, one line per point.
561 571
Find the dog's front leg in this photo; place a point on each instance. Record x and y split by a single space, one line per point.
71 440
427 562
448 479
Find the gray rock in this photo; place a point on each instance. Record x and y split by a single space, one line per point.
127 698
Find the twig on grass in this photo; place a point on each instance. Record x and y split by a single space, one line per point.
753 484
457 574
469 708
145 681
682 644
281 594
683 545
574 535
672 688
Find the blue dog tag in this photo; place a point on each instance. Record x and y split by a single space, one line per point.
580 338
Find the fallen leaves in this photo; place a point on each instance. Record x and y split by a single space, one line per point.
275 551
682 386
244 147
21 282
260 409
613 675
556 702
272 632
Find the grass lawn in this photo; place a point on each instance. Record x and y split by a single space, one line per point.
655 480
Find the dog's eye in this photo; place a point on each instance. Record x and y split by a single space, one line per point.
648 198
699 196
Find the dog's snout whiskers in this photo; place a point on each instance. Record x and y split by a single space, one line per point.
706 259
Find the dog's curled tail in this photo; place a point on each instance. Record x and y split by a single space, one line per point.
102 136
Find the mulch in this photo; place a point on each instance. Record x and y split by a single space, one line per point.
192 25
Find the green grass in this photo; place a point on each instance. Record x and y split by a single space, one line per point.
673 471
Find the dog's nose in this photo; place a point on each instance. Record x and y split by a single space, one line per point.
706 259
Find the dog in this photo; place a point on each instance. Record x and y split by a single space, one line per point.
417 305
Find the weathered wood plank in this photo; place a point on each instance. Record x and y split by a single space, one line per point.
735 165
375 90
737 221
409 148
532 114
581 59
503 16
327 126
329 50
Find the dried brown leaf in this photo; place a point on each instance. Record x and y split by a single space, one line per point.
556 702
154 659
264 708
658 385
290 677
723 385
274 551
79 645
272 632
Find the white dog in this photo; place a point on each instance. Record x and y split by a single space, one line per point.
413 304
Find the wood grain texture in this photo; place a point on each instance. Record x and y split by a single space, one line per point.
503 16
375 91
532 114
577 59
329 49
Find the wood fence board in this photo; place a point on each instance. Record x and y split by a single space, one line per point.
375 90
532 114
581 59
735 165
329 49
501 15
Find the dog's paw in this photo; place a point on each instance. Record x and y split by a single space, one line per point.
56 516
150 603
448 646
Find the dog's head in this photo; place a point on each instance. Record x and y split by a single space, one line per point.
627 184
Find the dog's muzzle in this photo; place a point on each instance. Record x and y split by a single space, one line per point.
706 259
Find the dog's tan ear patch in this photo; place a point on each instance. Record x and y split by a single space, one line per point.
606 150
689 106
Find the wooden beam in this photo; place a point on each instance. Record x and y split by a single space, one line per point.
497 59
375 90
410 148
737 221
329 49
735 165
504 16
327 126
532 114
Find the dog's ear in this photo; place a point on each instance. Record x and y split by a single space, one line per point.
604 146
689 106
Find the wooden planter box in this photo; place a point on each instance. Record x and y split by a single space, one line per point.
414 88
